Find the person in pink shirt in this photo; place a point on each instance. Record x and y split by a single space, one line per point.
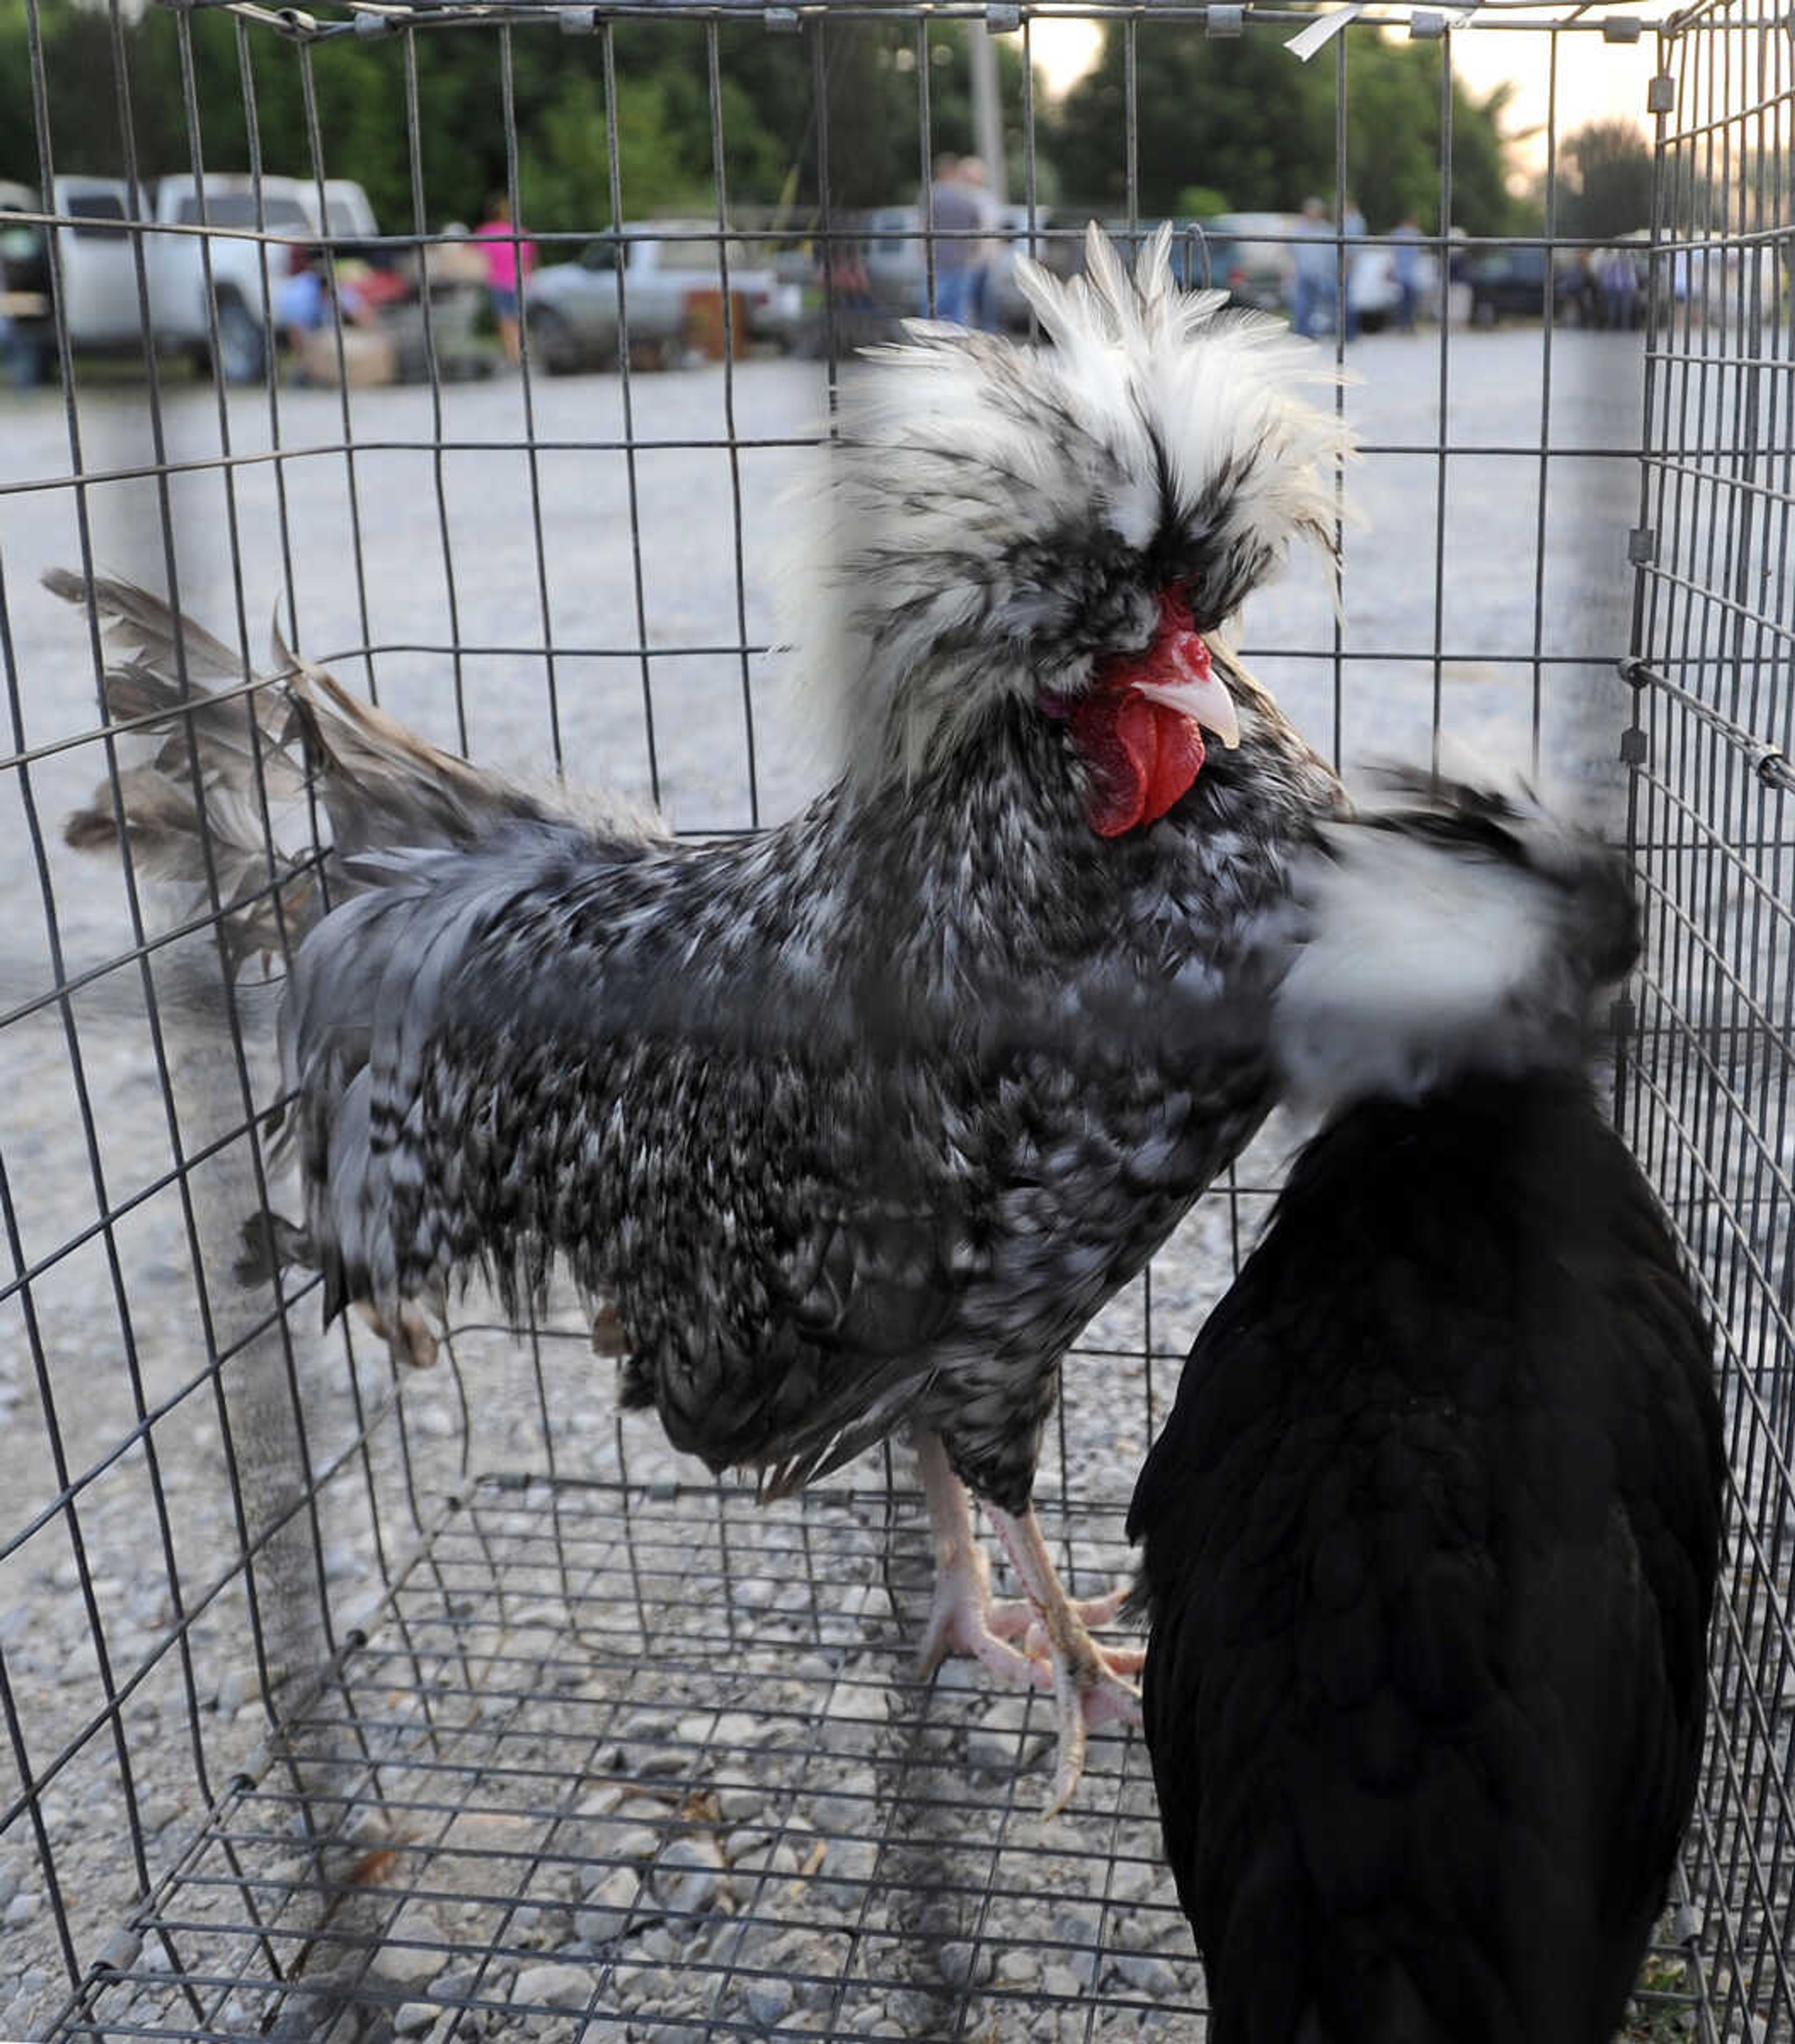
509 260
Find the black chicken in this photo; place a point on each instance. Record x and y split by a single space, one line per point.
831 1126
1432 1532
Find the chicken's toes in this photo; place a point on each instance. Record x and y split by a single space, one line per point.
1098 1611
1092 1614
1089 1690
963 1618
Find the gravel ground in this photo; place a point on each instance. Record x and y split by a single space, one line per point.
113 1315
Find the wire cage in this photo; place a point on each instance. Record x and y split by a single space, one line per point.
340 1707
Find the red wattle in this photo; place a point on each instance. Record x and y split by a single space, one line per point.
1178 761
1142 756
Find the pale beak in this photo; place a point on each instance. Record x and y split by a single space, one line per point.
1198 693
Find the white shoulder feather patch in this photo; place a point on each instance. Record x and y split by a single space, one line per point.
1425 955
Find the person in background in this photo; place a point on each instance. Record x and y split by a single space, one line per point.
27 344
509 260
954 211
973 173
1619 285
1405 271
1353 229
1316 270
302 304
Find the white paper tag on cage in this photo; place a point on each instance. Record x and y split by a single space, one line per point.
1318 34
1321 32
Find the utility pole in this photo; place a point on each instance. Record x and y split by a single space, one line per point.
987 116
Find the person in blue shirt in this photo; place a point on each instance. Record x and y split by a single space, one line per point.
1317 269
1406 271
302 304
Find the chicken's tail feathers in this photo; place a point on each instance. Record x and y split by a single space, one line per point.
382 785
237 749
197 812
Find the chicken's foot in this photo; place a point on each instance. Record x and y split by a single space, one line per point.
1088 1682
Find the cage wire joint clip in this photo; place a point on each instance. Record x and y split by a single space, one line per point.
1769 763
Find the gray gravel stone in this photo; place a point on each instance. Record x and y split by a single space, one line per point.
1146 1975
962 1963
768 2002
237 1687
607 1912
992 1749
80 1664
556 1986
412 1964
688 1875
738 1799
413 2018
20 1910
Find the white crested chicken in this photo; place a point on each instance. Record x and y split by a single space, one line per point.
850 1128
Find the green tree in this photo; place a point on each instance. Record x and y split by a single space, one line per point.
766 99
564 176
1244 115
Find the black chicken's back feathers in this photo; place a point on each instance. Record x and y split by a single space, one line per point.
1431 1538
1432 1534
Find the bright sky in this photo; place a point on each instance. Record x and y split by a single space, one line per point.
1597 80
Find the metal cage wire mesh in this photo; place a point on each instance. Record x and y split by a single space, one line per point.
341 1708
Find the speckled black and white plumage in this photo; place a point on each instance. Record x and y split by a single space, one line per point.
807 1244
840 1120
1431 1535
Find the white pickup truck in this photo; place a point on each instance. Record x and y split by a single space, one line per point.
571 307
97 269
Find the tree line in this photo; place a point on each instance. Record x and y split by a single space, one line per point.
1221 124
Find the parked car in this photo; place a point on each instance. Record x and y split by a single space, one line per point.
346 216
571 307
1245 255
189 280
1513 283
896 264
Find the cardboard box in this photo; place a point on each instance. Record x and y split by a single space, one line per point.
368 356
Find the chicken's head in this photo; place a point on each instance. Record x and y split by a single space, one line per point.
1061 526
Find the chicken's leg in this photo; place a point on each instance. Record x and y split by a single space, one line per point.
1088 1682
964 1618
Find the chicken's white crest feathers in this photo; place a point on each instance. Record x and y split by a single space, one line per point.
997 516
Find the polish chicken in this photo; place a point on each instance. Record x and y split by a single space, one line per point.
852 1126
